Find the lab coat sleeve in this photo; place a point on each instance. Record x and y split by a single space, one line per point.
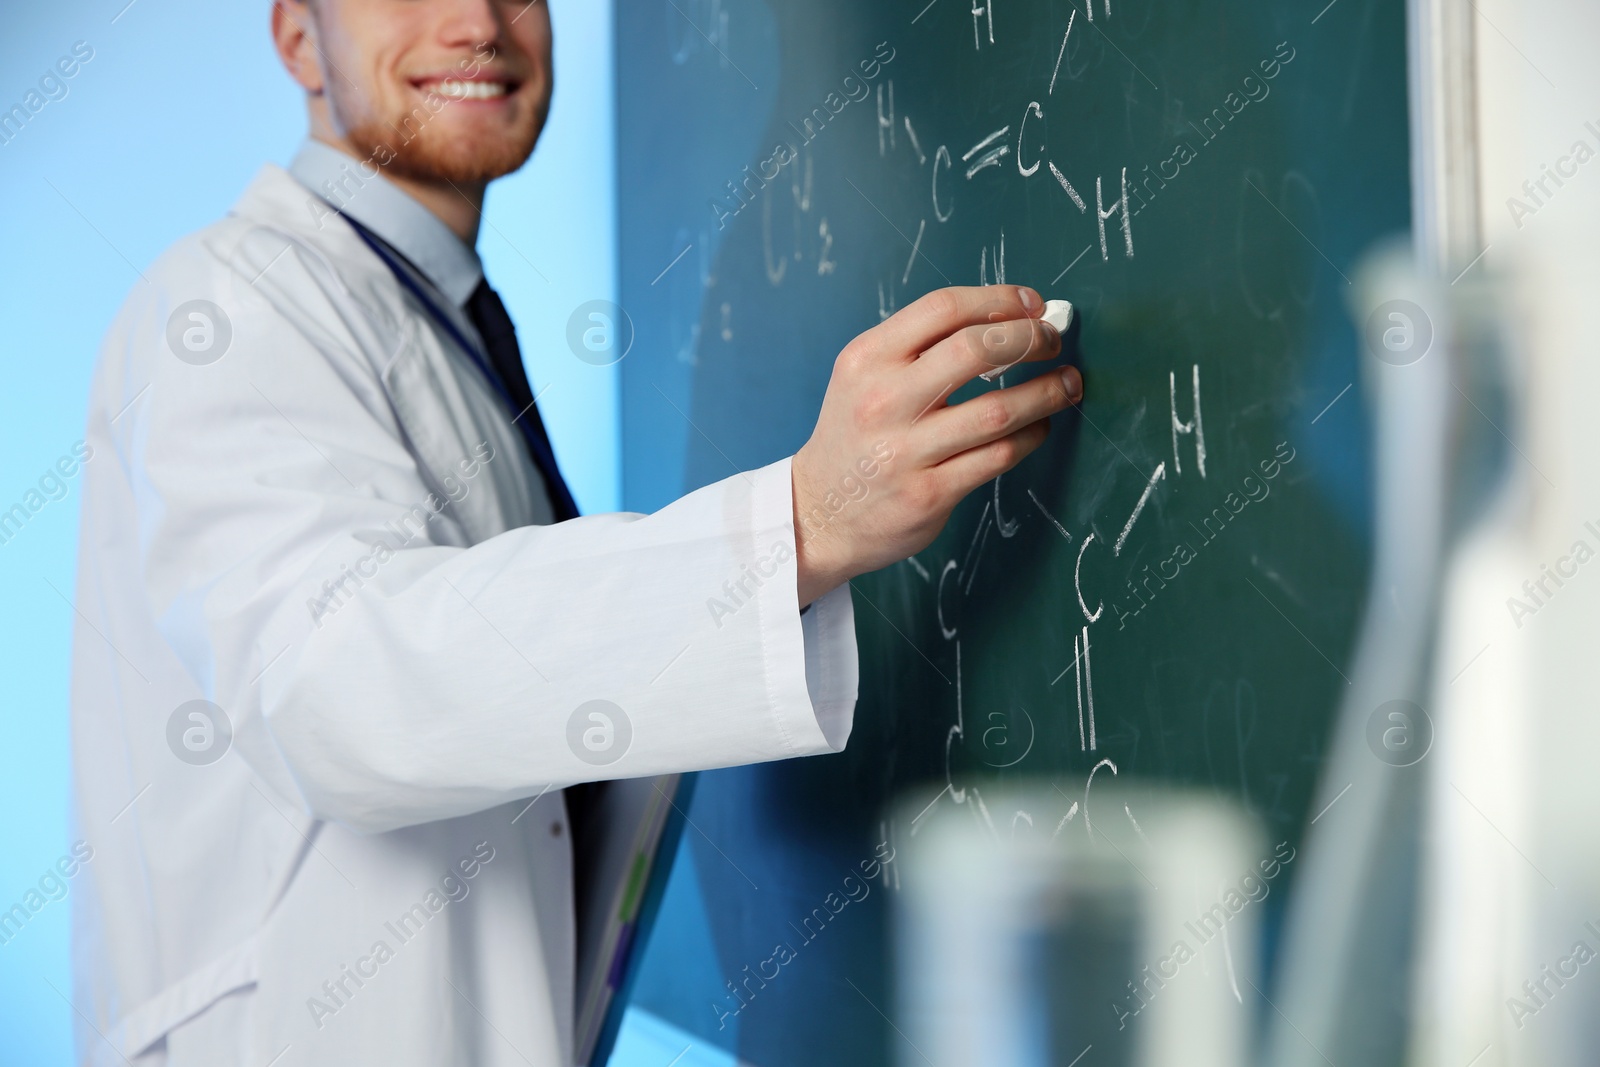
390 673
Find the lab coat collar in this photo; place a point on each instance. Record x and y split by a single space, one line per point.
358 189
438 394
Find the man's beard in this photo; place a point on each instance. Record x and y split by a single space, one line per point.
415 148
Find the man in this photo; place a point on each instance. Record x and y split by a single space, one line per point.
342 639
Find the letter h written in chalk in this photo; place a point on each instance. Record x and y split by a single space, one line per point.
1195 425
1120 208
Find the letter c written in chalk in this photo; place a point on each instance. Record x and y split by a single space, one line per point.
1077 582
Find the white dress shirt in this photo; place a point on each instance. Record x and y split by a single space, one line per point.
308 507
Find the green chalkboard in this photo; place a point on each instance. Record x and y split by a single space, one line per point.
1172 584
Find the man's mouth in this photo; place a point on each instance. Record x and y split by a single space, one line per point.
468 89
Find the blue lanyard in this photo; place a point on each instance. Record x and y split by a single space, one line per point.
539 449
438 315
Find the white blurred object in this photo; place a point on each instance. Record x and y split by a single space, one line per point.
1518 881
1334 953
1505 200
1029 946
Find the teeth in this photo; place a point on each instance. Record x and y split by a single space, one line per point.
474 90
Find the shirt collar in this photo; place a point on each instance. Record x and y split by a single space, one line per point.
359 190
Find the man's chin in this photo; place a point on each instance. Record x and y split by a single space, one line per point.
460 160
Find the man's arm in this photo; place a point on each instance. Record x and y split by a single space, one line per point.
456 678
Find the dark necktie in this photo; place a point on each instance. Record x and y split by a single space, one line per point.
499 335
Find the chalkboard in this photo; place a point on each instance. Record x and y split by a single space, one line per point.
1169 589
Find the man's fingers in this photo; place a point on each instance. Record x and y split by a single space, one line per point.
965 471
988 349
931 318
951 430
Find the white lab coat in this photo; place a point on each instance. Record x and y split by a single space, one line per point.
386 740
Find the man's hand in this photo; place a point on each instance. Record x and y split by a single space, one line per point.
890 457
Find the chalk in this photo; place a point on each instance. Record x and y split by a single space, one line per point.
1058 313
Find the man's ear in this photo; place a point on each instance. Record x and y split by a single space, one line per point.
294 35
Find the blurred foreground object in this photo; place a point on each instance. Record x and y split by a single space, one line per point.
1455 907
1125 920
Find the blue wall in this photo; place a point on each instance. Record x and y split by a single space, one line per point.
158 132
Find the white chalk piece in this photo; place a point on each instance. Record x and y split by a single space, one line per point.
1058 313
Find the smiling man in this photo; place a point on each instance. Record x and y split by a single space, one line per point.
345 647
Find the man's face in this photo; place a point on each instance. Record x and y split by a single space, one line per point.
453 90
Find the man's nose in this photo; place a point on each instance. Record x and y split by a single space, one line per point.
470 22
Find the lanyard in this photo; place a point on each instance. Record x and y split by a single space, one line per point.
543 457
403 276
